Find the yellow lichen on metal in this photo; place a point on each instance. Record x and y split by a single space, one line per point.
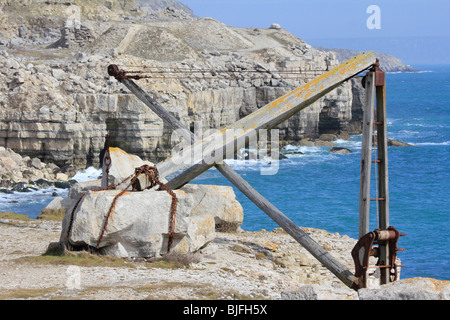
277 111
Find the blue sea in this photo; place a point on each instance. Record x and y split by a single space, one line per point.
321 190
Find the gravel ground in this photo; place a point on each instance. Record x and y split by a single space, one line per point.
246 265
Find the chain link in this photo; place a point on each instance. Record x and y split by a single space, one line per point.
153 175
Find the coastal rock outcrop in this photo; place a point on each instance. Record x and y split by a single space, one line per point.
339 150
21 174
59 105
389 63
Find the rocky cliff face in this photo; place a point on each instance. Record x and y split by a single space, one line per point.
57 101
389 63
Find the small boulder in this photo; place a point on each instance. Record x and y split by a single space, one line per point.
61 185
62 176
293 153
396 143
307 142
122 166
328 137
55 210
275 26
219 201
36 163
339 150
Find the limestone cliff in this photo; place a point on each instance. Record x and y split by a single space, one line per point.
57 101
389 63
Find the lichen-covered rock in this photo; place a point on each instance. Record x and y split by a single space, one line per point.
409 289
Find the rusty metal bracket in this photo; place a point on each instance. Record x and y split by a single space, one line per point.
119 74
364 249
380 75
360 254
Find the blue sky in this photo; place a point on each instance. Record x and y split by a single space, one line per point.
325 22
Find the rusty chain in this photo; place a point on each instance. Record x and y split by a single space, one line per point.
107 160
152 174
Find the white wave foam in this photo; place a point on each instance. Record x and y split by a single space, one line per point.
36 199
445 143
304 149
87 174
356 144
250 164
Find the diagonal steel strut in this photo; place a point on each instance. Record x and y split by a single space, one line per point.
339 75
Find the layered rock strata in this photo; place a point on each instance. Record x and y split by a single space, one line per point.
58 104
25 174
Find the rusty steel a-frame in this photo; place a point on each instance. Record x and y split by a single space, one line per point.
211 151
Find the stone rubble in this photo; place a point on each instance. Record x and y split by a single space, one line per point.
25 174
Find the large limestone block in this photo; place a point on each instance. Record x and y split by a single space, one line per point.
79 188
139 223
219 201
122 166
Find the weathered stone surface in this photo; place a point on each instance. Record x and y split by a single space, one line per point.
61 111
396 143
29 173
212 207
389 63
220 201
56 208
326 291
304 293
121 167
139 224
409 289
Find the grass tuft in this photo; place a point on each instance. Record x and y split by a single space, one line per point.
13 216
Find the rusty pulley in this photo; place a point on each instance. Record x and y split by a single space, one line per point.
365 248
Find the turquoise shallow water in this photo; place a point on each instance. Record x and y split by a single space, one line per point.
320 190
